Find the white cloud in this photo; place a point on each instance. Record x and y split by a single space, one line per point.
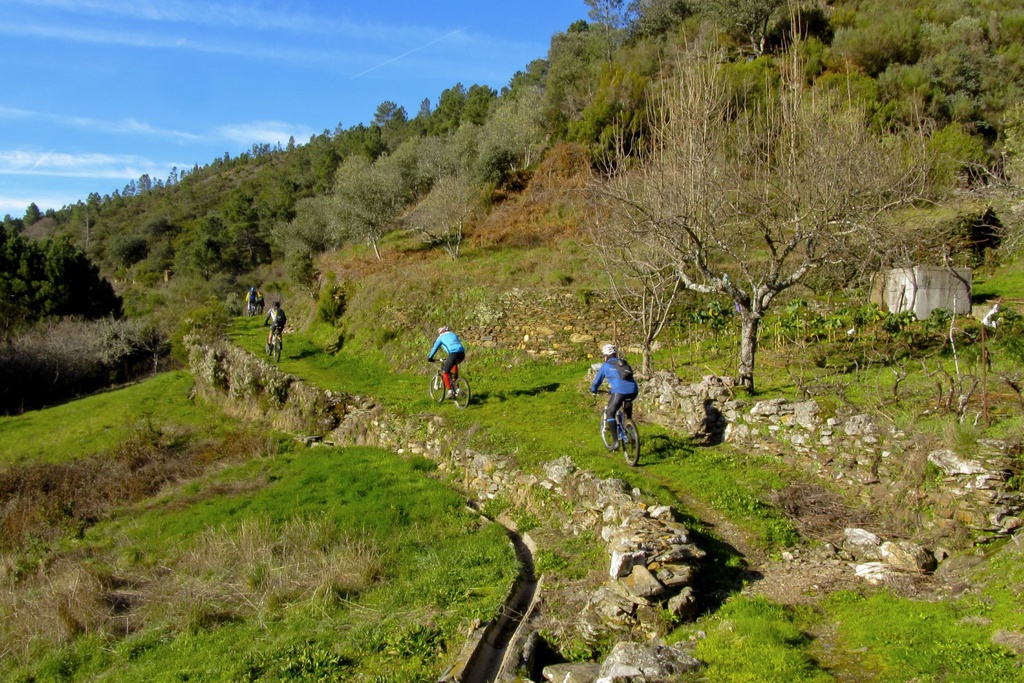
270 132
15 205
106 166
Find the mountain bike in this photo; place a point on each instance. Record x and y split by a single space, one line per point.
625 436
274 346
250 308
460 388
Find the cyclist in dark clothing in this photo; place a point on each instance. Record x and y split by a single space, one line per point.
276 319
452 345
623 387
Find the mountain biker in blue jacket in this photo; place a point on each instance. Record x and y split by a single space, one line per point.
452 346
621 384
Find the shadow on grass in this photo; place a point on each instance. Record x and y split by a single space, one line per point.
503 396
724 571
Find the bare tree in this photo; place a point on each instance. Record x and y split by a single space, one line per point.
747 202
643 279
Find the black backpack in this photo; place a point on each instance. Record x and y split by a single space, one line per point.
625 371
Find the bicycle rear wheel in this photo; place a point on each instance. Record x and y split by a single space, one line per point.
277 348
461 386
631 443
437 388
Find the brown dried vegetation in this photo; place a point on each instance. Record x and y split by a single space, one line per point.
43 502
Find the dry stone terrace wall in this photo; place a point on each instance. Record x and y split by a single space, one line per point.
651 557
557 324
852 451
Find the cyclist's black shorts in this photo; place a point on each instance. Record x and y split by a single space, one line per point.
454 358
616 400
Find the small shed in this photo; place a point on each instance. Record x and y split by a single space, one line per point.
922 289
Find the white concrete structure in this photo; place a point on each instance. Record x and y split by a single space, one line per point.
922 289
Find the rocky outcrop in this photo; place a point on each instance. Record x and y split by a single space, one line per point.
249 387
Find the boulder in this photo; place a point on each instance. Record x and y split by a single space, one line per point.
623 562
572 673
684 605
675 575
875 573
952 464
642 584
907 556
862 543
651 661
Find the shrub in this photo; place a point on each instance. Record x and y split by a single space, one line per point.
66 358
330 305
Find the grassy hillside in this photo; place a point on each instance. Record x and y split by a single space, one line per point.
266 561
266 564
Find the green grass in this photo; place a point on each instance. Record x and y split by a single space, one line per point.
96 423
1005 281
322 564
751 640
901 640
429 567
537 410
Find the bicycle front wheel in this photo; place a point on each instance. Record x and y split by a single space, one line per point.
461 386
631 443
608 434
437 388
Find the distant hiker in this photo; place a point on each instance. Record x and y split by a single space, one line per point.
622 386
452 346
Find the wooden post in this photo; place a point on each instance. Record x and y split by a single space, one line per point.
984 377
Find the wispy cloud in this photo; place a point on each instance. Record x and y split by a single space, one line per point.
52 163
270 132
239 133
329 38
406 54
250 15
15 204
127 126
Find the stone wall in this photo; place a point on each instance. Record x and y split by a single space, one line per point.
651 558
871 459
558 324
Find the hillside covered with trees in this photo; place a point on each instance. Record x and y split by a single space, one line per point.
951 71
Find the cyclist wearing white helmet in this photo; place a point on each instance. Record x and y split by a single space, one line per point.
623 387
452 345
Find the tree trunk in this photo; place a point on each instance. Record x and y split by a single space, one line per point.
748 349
645 363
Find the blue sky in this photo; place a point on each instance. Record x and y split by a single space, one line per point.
95 93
